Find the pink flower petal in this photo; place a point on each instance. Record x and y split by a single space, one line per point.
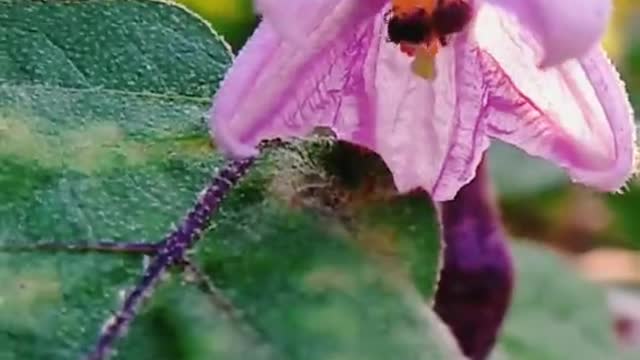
576 114
277 89
564 29
431 134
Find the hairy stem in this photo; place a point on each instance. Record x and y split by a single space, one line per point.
476 280
172 251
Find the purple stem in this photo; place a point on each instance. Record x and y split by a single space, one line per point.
476 282
173 250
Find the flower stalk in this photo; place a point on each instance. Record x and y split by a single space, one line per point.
476 281
171 253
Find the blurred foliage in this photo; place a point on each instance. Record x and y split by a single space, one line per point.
616 38
555 314
623 41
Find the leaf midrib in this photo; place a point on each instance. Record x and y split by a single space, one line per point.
196 99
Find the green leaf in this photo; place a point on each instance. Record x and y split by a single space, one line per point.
555 315
103 137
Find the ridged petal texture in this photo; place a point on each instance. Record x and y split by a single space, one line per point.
361 87
326 63
280 87
575 114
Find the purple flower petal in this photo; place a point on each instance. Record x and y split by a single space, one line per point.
430 133
576 114
277 88
342 74
564 29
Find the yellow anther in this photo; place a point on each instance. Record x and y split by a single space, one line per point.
409 6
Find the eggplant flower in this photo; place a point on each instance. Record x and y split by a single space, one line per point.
427 83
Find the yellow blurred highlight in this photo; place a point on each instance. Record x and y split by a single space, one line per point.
232 19
615 38
230 10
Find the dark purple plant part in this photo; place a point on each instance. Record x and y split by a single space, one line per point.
171 253
477 277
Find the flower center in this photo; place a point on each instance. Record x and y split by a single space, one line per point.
421 27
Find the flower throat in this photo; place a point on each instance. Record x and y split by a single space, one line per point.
421 27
